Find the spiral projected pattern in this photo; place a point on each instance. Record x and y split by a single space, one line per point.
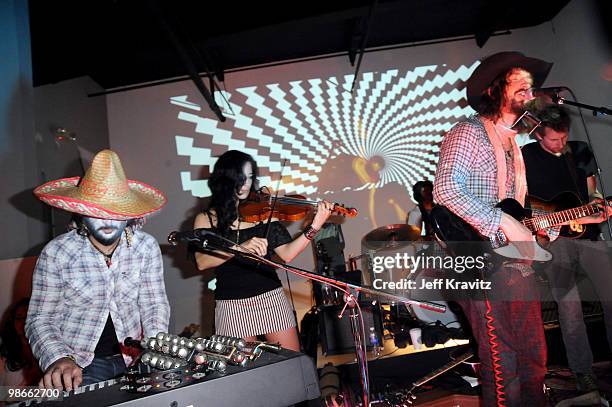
394 117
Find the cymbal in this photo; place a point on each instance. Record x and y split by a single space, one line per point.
392 235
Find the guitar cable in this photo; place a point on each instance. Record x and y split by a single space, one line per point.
495 358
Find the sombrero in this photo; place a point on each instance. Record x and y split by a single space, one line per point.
492 66
104 192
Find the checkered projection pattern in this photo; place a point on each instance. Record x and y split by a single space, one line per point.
397 115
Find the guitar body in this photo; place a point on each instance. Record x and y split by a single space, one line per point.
454 231
565 200
449 227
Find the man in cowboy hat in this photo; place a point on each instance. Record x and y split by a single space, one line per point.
479 165
99 283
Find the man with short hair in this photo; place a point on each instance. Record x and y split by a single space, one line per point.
555 165
99 283
479 165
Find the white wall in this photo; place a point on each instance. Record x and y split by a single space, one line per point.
20 215
67 105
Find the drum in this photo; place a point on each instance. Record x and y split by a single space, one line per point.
381 248
388 277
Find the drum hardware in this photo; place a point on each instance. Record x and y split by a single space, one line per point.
392 236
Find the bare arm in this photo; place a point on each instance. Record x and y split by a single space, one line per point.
208 260
290 250
596 198
592 187
212 259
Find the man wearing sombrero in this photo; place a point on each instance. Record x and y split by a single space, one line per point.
99 283
479 165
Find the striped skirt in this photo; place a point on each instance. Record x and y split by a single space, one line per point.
258 315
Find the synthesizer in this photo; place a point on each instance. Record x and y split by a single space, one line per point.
274 379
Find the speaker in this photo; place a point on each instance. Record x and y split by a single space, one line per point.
591 309
550 310
335 333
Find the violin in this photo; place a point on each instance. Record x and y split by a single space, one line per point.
291 208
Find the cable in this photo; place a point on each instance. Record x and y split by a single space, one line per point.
599 172
495 359
390 353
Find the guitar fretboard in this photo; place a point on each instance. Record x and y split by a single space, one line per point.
556 218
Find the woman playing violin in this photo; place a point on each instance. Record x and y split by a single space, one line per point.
249 299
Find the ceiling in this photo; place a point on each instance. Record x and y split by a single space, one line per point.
126 42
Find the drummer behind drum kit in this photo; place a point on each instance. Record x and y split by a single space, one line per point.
405 240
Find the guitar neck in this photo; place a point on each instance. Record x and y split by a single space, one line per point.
556 218
443 369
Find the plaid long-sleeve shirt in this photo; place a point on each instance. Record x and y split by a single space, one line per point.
73 292
466 177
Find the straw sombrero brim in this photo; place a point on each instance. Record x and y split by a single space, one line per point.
140 200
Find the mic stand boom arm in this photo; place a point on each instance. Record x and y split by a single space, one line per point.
597 111
339 284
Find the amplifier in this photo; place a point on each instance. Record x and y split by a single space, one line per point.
335 333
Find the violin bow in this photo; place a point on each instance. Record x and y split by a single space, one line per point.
275 199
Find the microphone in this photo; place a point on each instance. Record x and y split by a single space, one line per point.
535 92
202 237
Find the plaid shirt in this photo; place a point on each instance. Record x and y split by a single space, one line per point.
73 291
466 177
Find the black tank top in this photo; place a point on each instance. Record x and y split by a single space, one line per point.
237 278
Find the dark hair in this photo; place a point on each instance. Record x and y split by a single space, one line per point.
416 190
10 346
225 181
492 98
553 117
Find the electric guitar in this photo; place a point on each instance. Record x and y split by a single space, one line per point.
449 227
567 206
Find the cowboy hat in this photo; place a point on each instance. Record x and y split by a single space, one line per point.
494 65
104 192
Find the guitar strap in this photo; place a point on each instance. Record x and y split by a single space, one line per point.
571 166
571 163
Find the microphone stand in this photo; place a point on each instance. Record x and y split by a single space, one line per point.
351 293
597 111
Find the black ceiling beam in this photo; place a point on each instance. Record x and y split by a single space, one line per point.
187 60
488 21
364 39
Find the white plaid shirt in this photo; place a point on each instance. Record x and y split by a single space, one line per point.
466 177
73 291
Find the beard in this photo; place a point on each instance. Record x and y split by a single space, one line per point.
105 231
518 108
